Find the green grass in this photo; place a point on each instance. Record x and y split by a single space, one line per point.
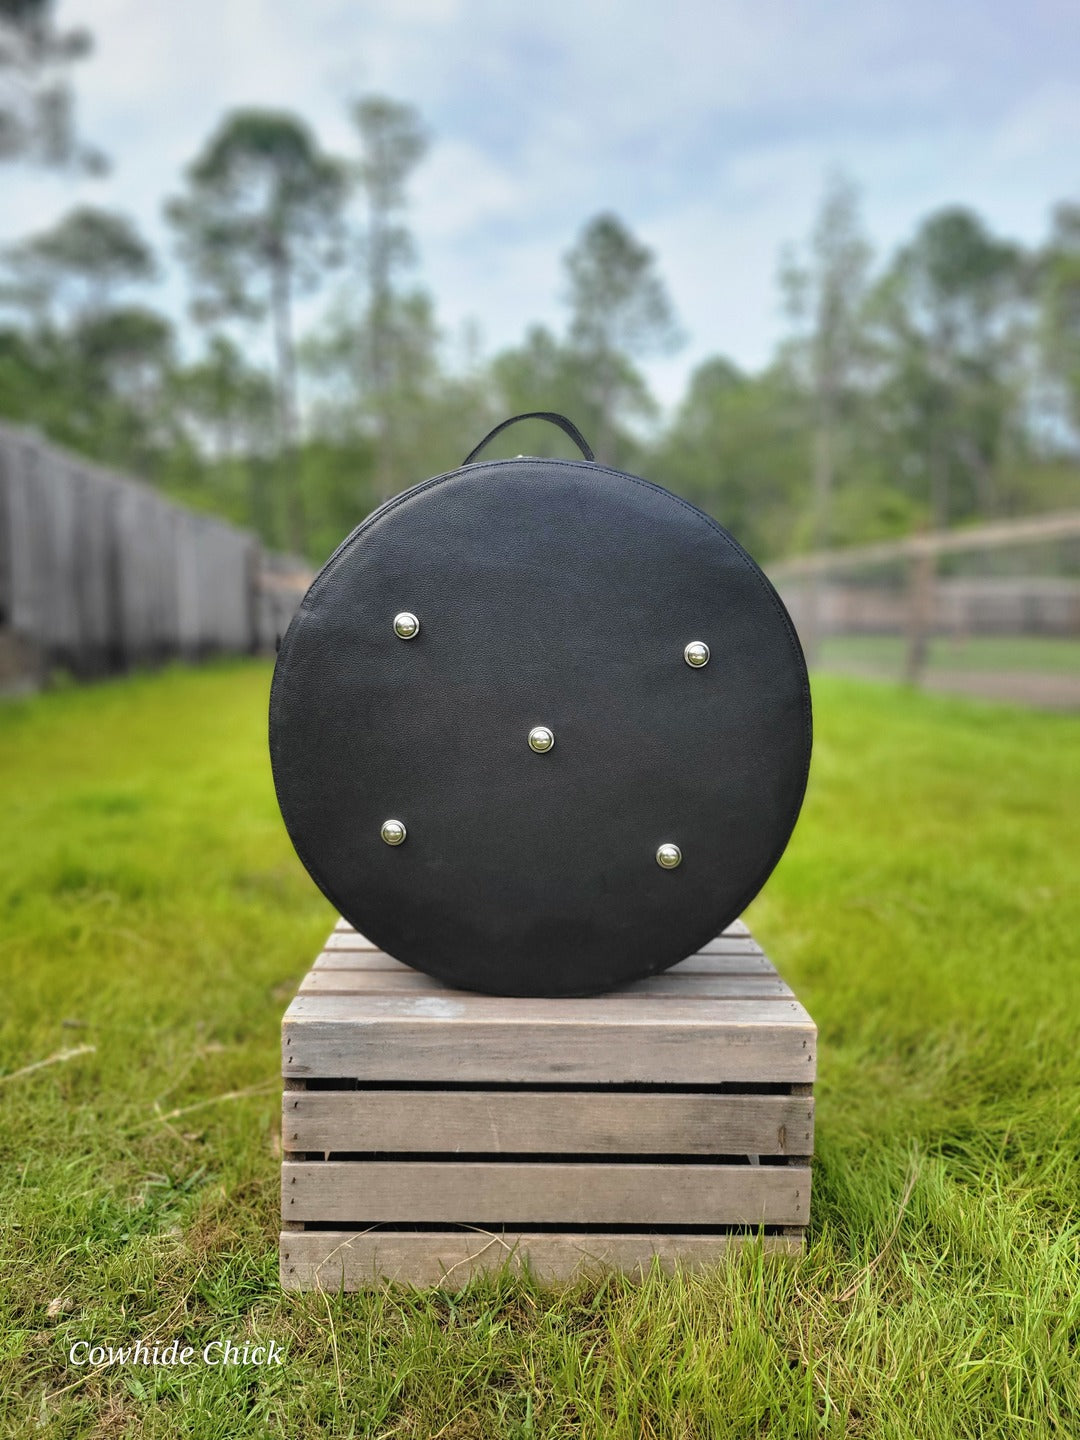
1029 653
928 914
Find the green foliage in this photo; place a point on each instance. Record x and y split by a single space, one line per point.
260 213
736 449
36 108
539 374
74 270
1060 304
259 224
948 318
939 388
618 303
927 914
98 365
826 301
619 311
388 343
97 389
339 489
545 373
393 142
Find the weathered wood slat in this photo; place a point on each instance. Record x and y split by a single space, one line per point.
357 960
749 963
99 571
333 1259
546 1122
527 1016
598 1157
348 941
688 985
731 945
541 1192
703 1042
342 927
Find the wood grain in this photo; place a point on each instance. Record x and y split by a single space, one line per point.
748 962
342 927
480 1039
333 1259
348 940
509 1193
603 1157
688 985
546 1122
526 1015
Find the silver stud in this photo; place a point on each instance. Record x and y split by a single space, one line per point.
696 654
393 832
406 625
541 739
668 856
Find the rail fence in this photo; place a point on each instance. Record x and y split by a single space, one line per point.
992 609
99 573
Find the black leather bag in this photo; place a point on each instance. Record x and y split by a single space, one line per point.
540 727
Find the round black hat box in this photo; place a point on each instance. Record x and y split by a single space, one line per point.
540 727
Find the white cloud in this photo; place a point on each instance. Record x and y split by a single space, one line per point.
708 127
459 190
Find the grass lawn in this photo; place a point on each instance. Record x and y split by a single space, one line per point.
928 913
1045 654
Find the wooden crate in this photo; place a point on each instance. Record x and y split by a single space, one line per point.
428 1133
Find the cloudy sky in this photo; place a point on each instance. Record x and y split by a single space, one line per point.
709 125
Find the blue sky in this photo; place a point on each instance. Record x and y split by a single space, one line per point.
708 126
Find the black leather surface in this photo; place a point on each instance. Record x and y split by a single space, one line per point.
552 593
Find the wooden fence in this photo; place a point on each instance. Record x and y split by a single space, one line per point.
895 588
99 573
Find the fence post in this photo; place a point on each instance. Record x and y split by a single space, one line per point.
920 605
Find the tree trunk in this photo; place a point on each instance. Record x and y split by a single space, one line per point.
976 462
288 466
380 341
605 436
823 473
381 387
257 507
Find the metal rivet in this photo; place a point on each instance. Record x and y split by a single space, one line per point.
668 856
696 654
541 739
406 625
393 832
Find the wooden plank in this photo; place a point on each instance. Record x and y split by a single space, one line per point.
731 945
526 1014
339 1259
338 959
541 1192
546 1122
342 927
706 1042
992 534
687 985
736 964
348 940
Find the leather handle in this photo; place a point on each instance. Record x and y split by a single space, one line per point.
567 426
